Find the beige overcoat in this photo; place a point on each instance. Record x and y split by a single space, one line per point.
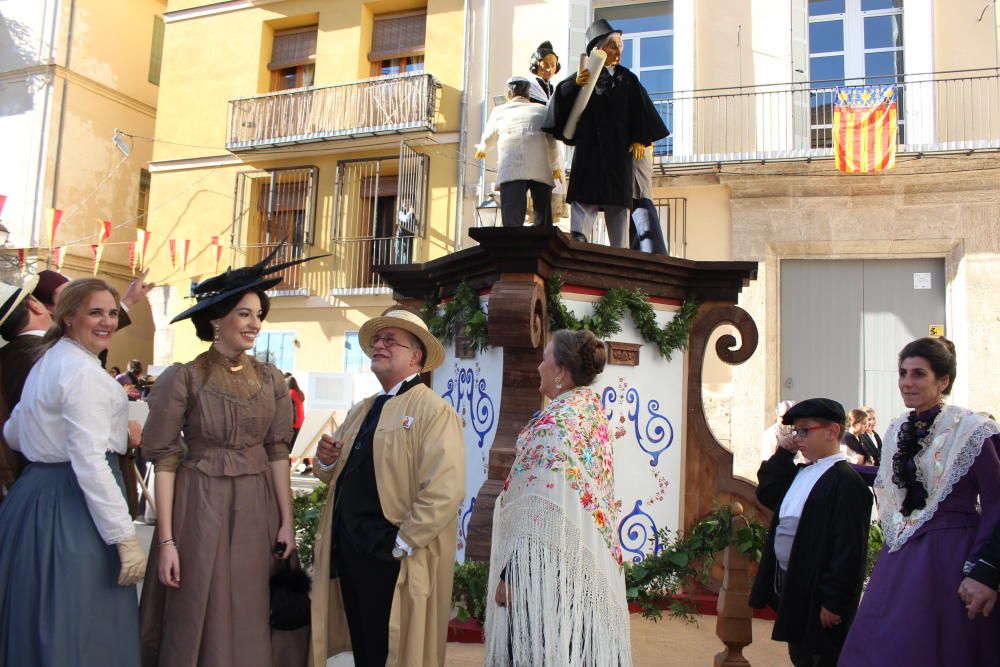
420 474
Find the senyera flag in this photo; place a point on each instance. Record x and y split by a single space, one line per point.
865 128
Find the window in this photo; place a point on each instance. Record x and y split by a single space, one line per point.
276 347
398 43
648 40
293 58
851 42
354 356
142 207
272 206
156 51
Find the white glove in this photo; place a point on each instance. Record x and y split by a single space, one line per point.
133 560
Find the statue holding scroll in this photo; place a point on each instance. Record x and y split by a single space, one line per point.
607 115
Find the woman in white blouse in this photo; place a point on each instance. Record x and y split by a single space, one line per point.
69 556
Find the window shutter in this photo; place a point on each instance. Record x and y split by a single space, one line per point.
156 51
398 35
293 48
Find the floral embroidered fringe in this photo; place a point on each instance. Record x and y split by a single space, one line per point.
566 597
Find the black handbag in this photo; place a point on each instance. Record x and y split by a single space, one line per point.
290 606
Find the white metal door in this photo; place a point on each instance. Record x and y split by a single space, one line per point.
843 323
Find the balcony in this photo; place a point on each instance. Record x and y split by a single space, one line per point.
941 112
389 105
292 283
355 260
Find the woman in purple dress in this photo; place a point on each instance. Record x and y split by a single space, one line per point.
937 461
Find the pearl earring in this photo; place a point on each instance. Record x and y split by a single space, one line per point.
217 330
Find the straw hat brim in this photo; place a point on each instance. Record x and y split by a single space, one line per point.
24 291
407 322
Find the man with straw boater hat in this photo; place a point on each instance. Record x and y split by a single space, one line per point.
23 321
385 545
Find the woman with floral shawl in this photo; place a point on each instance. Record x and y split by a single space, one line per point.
556 564
938 495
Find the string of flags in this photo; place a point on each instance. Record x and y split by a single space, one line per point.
180 248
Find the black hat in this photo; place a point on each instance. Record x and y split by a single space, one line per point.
235 281
815 408
598 32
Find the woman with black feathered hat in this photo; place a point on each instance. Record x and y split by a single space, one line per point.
218 432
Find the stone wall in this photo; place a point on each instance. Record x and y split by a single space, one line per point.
945 206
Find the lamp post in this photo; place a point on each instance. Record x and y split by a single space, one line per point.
488 210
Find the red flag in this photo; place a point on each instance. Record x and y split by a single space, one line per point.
865 128
173 252
3 200
96 252
59 255
218 252
53 217
185 251
20 257
105 230
131 256
142 237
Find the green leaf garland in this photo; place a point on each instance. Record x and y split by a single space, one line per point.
606 319
463 315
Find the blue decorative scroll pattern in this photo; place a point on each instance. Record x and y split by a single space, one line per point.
635 532
656 435
469 395
464 523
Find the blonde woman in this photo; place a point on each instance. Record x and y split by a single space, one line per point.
69 556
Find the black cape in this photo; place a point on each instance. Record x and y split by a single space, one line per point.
618 114
827 565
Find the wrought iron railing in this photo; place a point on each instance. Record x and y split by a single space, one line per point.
293 282
383 105
940 112
355 259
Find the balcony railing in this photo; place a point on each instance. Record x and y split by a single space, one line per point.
292 283
354 260
384 105
945 111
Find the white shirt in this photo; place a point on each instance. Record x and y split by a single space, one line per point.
803 485
525 152
72 410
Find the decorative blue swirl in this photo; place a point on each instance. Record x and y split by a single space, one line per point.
473 394
447 395
464 522
609 397
483 413
636 531
649 436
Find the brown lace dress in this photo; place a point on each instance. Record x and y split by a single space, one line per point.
218 429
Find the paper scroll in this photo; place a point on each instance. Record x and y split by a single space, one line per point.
594 64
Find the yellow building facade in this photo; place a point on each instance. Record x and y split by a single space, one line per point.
74 76
332 126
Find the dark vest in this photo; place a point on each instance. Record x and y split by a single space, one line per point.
357 511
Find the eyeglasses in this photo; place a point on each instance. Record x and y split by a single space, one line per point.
389 342
804 431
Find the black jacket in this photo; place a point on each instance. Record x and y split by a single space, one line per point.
863 445
618 114
986 563
827 563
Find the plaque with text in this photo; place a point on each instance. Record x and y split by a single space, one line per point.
623 354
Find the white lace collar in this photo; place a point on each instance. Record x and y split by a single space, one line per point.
954 443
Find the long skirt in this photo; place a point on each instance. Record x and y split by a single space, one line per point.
225 529
60 602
